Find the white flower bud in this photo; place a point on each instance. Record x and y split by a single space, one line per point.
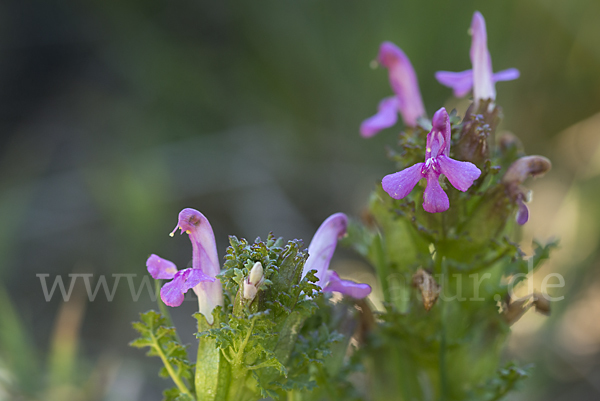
253 281
256 274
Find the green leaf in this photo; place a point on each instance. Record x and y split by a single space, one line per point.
162 341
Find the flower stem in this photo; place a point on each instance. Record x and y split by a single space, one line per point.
240 352
443 376
176 379
161 305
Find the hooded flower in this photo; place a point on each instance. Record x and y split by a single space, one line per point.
404 83
437 161
517 173
481 78
201 276
321 250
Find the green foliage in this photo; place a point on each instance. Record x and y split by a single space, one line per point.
506 379
470 251
260 339
327 335
162 342
446 280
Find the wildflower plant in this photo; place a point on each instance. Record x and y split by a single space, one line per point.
269 322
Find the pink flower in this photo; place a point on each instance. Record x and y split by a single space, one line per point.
407 99
481 78
201 276
437 161
320 251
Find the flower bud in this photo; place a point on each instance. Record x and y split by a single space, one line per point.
473 142
253 281
541 303
525 167
516 308
430 289
477 135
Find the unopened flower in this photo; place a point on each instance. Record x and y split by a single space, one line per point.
517 173
320 252
407 99
201 276
481 78
437 161
252 283
430 289
516 308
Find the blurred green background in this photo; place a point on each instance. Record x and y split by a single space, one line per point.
114 115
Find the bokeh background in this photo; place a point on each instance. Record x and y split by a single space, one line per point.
114 115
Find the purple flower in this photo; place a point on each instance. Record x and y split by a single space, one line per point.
481 78
321 250
437 161
201 276
404 83
523 210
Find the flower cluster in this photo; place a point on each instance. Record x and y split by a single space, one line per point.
408 101
268 329
201 277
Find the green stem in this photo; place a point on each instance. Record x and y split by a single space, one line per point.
161 305
484 265
240 352
239 370
228 359
379 261
444 231
176 379
260 366
443 376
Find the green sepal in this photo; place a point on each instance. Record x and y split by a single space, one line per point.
213 373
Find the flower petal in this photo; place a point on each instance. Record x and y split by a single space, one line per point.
160 268
506 75
460 82
403 81
346 287
460 174
172 292
435 199
322 245
387 115
483 83
437 144
210 295
522 213
201 234
399 184
195 277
